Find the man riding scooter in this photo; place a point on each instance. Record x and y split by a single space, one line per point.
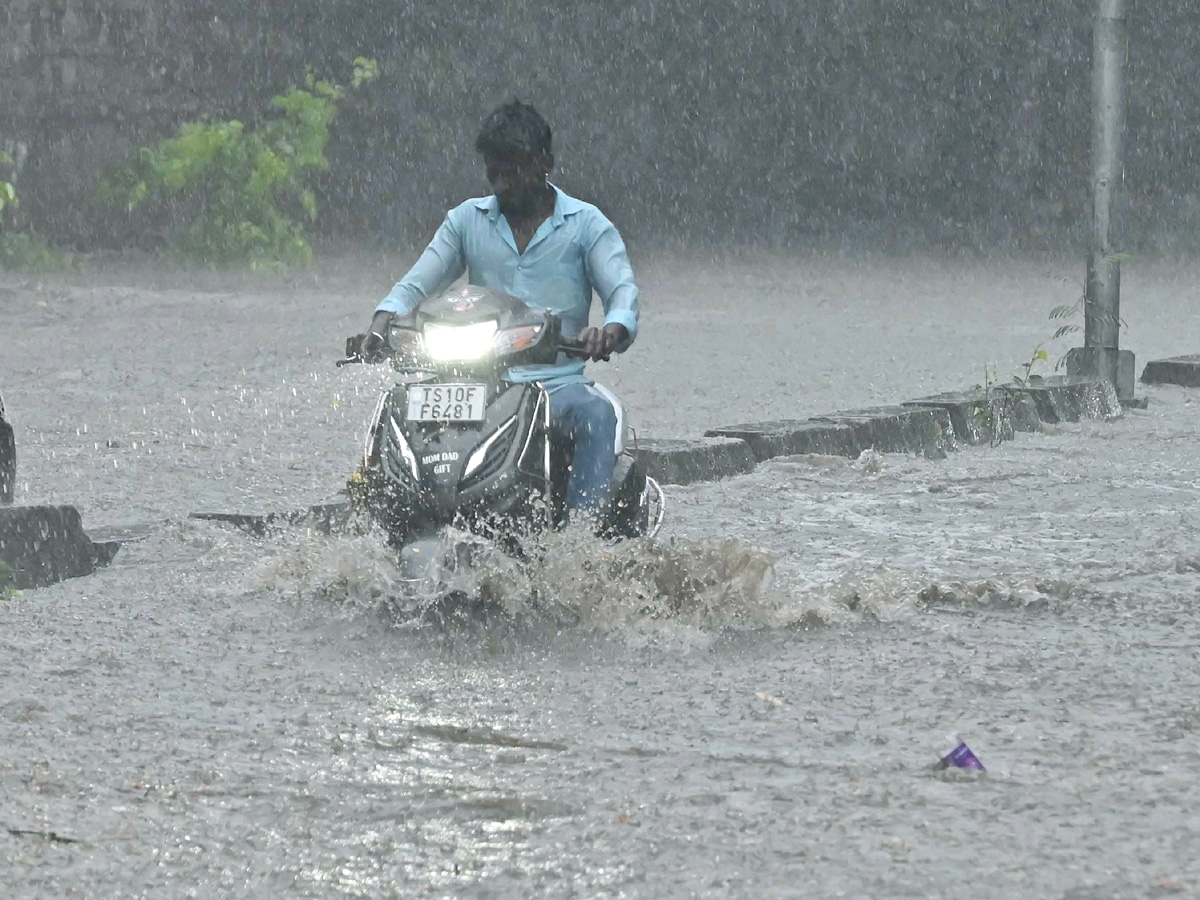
534 242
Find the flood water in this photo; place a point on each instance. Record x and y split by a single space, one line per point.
748 707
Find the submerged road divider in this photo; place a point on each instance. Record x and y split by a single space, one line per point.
928 425
45 544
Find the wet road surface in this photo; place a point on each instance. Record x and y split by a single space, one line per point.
747 708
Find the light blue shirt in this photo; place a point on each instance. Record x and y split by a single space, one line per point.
573 252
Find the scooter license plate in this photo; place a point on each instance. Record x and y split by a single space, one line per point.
446 402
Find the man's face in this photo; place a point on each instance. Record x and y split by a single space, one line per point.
517 181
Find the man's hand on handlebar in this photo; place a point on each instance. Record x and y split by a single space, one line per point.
375 341
600 343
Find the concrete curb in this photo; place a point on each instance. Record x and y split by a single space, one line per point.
1069 400
791 437
896 429
686 462
1180 370
931 424
1021 411
889 429
983 417
46 544
969 413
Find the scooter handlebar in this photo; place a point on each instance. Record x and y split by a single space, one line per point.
572 348
354 354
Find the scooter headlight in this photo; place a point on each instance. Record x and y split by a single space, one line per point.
459 343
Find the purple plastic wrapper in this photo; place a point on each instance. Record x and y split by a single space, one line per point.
961 757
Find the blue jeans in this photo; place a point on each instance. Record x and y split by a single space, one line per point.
582 418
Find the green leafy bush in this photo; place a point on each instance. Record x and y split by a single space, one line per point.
219 192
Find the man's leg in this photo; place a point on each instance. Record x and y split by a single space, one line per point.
585 420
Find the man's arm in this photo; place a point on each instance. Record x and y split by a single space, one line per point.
612 276
442 262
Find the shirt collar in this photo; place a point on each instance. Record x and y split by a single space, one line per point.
564 205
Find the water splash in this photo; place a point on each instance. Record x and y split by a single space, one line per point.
564 577
672 592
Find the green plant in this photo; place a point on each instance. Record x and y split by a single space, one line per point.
219 192
994 416
1039 355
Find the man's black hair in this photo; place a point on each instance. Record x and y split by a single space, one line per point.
512 129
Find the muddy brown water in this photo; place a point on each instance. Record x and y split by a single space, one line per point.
747 708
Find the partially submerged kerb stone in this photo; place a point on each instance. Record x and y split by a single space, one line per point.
685 462
1069 400
895 429
792 437
889 429
1181 370
982 417
46 544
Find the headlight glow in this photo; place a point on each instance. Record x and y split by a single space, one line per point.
447 343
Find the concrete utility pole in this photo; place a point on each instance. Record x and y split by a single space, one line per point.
1101 356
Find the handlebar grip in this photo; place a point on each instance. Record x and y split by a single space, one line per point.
355 347
572 348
